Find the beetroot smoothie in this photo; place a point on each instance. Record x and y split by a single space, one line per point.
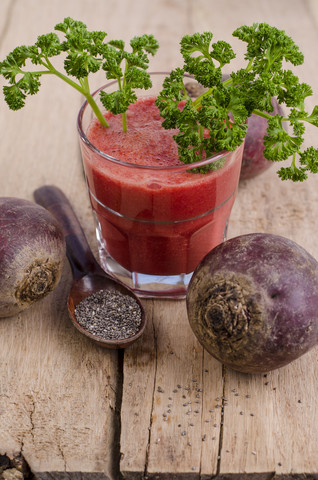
156 217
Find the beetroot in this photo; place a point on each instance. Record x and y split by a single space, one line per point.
253 162
32 254
253 302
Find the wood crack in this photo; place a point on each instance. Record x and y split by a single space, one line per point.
32 426
203 388
218 468
31 418
153 393
62 455
116 447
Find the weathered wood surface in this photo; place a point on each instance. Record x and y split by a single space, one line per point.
75 410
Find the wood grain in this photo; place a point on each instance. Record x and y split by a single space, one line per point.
60 395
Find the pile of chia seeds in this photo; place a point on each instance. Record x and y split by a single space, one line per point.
109 315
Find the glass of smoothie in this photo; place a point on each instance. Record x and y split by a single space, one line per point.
156 217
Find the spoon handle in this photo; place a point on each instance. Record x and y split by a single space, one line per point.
78 252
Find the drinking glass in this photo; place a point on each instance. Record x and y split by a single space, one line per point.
154 224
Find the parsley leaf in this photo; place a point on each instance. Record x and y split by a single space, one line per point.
85 52
129 69
217 119
214 121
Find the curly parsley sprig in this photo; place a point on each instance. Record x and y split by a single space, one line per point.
86 52
224 107
216 120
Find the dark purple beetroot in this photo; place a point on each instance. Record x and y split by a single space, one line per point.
32 254
253 302
253 162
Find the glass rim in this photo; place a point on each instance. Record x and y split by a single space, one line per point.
172 168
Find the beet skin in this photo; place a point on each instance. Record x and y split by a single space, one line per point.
253 302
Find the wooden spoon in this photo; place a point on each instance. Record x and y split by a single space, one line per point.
88 276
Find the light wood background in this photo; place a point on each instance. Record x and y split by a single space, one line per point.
77 411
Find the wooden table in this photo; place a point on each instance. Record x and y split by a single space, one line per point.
74 410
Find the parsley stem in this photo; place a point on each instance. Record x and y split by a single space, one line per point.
120 88
96 110
124 118
83 90
197 101
267 115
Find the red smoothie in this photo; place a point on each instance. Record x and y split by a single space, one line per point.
156 217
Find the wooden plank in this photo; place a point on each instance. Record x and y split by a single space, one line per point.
271 440
165 415
58 391
260 421
138 389
182 387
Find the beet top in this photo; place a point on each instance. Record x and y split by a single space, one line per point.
253 302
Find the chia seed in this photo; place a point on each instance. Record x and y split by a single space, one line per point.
109 315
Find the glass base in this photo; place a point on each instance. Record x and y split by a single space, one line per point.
146 286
